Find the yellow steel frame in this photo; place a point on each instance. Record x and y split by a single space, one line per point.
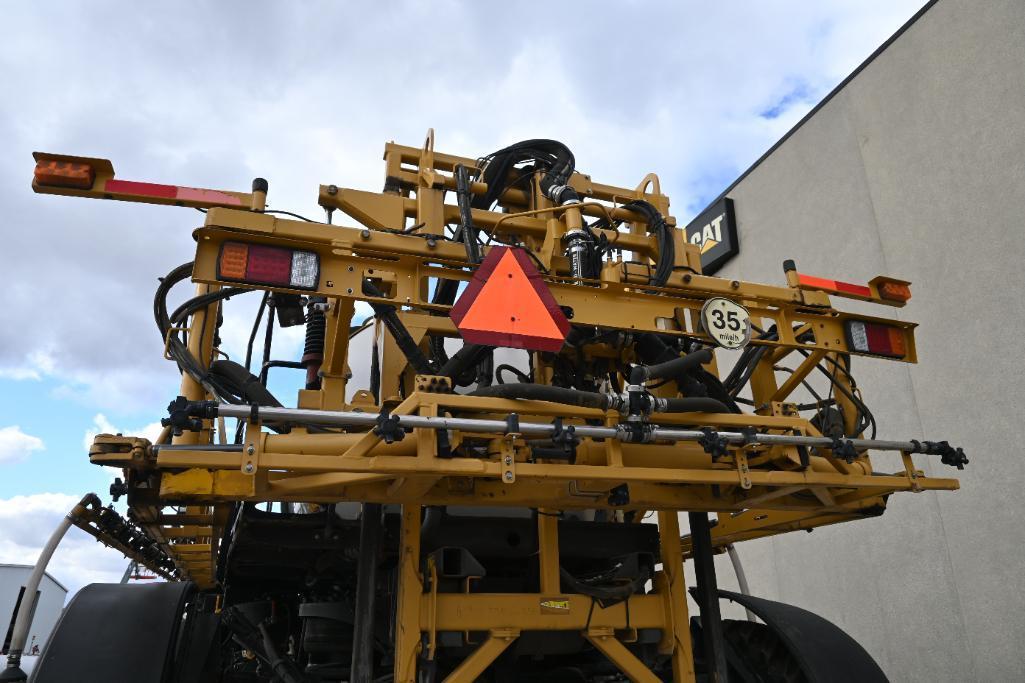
759 490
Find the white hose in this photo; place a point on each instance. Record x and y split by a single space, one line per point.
28 602
738 569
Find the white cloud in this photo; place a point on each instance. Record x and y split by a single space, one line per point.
101 425
16 444
26 522
685 100
37 363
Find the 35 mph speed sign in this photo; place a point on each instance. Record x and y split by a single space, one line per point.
726 322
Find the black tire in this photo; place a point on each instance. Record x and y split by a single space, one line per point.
764 653
116 633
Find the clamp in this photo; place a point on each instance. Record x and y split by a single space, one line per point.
713 443
388 428
844 448
566 438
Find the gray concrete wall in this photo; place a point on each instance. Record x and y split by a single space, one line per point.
916 169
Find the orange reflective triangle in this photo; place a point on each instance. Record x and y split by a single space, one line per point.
507 304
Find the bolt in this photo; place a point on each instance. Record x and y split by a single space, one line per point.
365 234
688 277
249 469
349 290
508 460
508 476
250 450
351 269
431 243
332 189
735 284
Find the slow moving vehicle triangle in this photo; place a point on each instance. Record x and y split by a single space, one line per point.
507 304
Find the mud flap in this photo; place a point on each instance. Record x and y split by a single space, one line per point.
115 633
824 651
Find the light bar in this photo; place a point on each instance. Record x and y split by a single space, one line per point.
77 176
260 264
875 339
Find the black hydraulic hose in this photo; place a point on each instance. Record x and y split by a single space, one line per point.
606 594
555 157
652 349
545 392
256 328
244 384
486 369
504 367
466 228
386 313
463 359
694 404
180 273
666 246
284 669
670 368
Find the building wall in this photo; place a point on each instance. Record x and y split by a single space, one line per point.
916 169
48 609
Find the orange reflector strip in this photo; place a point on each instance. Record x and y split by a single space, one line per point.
833 285
895 291
233 261
64 174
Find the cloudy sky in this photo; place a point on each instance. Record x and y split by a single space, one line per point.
212 94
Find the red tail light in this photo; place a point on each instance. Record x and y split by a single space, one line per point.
265 265
876 339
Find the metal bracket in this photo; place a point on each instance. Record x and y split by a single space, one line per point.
909 468
251 454
508 455
742 468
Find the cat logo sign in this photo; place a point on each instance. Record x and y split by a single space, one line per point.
508 304
715 232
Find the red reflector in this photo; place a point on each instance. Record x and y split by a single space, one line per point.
190 194
64 174
848 288
833 285
145 189
895 291
269 265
